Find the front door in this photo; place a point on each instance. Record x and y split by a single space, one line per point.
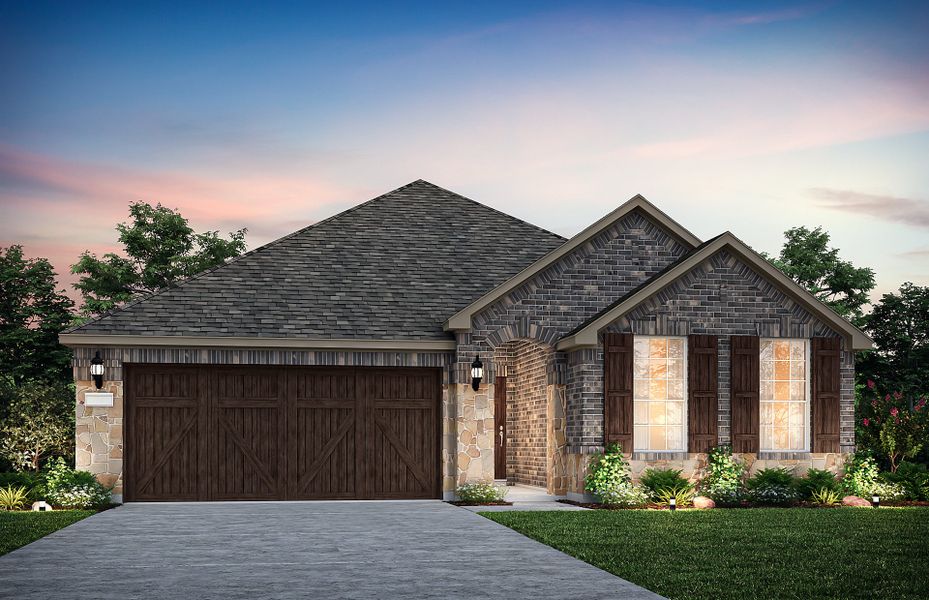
500 428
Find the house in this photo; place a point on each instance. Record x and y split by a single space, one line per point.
336 362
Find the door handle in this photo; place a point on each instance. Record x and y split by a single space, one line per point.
501 435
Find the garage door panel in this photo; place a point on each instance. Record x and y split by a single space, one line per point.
246 420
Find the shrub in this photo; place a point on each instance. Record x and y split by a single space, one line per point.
888 491
895 427
481 492
816 480
39 424
772 486
826 496
724 475
68 488
861 475
608 478
683 495
913 478
12 498
654 481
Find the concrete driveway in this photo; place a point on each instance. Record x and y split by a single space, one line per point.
324 550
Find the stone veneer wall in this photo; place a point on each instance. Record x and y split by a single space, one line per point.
99 430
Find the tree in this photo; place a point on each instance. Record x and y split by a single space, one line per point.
807 259
32 314
40 424
899 326
160 249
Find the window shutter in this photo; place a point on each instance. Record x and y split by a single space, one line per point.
617 389
744 392
702 392
826 388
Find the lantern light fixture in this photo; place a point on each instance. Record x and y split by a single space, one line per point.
672 504
96 370
876 501
477 373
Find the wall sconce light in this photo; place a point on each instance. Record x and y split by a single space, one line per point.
876 501
672 504
477 373
96 370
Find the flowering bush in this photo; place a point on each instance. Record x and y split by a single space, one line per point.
723 481
861 475
481 492
893 425
608 478
67 488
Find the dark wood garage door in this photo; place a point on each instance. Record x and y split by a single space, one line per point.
281 433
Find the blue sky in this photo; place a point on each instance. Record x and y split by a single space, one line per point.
752 118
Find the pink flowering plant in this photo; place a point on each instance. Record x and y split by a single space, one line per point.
892 425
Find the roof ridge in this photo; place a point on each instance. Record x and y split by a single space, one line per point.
251 252
491 208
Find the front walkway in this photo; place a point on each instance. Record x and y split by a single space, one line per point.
406 549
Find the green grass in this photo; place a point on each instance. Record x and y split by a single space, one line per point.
759 553
20 528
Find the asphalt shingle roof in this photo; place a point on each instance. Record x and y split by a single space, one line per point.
395 267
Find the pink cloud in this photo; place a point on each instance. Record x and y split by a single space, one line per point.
909 211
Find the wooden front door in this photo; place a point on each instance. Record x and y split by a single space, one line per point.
500 428
281 433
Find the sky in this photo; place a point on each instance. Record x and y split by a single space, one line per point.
748 117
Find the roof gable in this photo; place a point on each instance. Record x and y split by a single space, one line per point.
587 333
394 267
462 319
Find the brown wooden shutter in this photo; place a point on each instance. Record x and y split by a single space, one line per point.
702 392
617 389
826 388
744 387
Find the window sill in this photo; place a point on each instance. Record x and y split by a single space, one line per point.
660 455
795 455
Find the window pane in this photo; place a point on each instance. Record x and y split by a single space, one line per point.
796 437
641 388
657 389
674 438
798 390
767 370
658 347
675 389
641 413
675 369
782 390
656 438
640 437
767 439
641 347
675 413
675 348
656 413
658 369
641 368
782 370
780 415
767 350
798 370
796 414
797 350
781 350
767 413
781 441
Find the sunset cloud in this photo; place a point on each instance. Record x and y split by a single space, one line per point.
908 211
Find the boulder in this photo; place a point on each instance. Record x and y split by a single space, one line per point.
704 502
855 501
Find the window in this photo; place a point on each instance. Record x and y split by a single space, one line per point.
658 394
785 395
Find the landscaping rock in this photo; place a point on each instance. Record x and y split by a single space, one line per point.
704 502
855 501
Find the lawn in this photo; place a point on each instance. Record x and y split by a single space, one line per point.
20 528
757 553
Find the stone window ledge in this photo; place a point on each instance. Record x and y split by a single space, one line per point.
784 456
660 456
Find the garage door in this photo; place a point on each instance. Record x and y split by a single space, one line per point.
281 433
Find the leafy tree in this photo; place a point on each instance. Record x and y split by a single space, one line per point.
32 314
160 249
807 258
899 326
40 424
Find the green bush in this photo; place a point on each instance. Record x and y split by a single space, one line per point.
481 492
861 475
608 478
826 496
13 498
683 495
35 489
772 486
654 481
67 488
723 481
816 480
913 478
